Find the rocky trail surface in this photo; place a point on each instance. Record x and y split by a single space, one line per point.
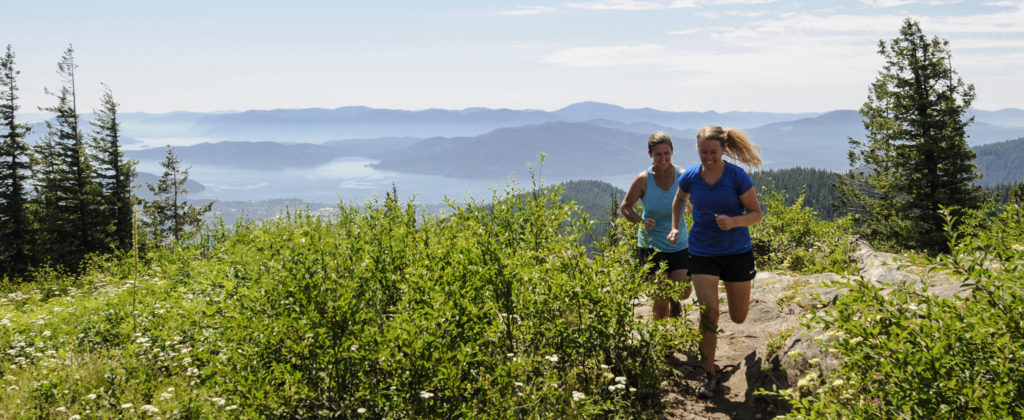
756 354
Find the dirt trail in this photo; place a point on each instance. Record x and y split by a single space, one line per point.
741 349
743 361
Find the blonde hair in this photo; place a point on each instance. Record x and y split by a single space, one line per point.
659 137
735 144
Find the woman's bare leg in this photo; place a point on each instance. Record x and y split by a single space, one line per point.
706 287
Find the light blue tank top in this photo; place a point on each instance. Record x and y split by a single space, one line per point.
658 206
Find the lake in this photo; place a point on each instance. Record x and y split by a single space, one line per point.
348 179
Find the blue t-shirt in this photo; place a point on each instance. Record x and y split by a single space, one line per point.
658 206
722 197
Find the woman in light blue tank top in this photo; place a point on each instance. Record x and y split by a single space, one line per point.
656 189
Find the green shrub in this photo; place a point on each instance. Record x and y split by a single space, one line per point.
905 353
794 238
492 311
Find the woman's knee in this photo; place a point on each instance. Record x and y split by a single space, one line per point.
709 318
738 318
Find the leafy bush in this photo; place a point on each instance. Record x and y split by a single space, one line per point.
492 311
793 237
906 353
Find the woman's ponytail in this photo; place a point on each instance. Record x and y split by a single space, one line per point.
735 144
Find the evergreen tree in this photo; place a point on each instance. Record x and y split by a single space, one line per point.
114 174
14 172
169 216
915 158
67 198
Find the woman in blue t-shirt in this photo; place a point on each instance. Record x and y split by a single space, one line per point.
656 187
724 205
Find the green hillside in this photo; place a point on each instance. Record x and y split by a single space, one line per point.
1002 163
599 200
815 184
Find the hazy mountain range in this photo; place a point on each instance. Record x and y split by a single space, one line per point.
586 140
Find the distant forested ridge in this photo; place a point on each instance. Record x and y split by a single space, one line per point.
1001 162
816 184
599 200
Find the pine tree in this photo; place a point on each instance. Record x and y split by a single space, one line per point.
915 159
114 174
169 216
68 199
14 173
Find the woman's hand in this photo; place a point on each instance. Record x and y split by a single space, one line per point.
649 223
724 222
672 235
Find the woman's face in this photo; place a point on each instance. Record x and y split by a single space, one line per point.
710 152
661 155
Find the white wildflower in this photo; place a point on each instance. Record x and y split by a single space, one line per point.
835 333
519 384
838 382
620 379
75 417
166 396
576 396
814 361
62 409
218 400
1018 247
611 388
13 388
149 409
808 380
126 405
192 372
10 378
46 333
553 358
231 407
631 389
605 367
361 410
856 340
91 396
426 395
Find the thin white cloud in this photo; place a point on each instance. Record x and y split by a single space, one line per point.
607 56
634 5
803 50
747 14
731 2
883 4
690 31
630 5
527 10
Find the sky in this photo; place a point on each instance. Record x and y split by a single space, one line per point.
675 55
